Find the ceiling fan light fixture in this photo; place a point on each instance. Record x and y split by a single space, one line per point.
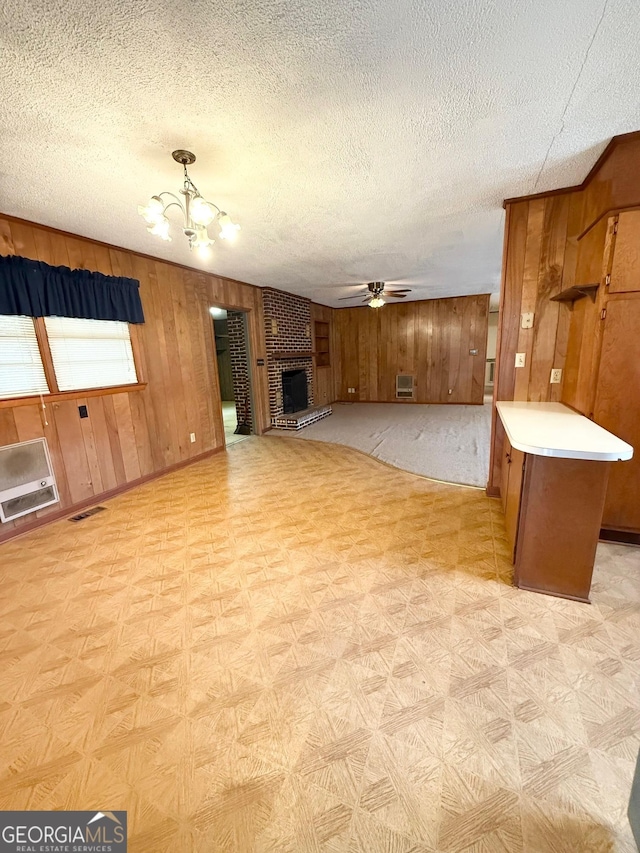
197 212
376 302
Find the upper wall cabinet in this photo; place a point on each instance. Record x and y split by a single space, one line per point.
625 270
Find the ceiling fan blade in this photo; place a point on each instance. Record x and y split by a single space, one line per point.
397 295
406 290
355 296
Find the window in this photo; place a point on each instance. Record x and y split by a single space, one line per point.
90 353
63 354
21 369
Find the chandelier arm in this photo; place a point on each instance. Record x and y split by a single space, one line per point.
176 203
175 198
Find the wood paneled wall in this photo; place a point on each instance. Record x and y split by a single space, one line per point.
324 386
134 435
553 241
430 340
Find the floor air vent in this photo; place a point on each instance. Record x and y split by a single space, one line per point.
82 515
404 387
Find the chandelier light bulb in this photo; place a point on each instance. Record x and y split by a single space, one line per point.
202 213
153 211
228 229
376 302
160 228
204 252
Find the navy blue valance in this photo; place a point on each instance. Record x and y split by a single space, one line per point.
35 289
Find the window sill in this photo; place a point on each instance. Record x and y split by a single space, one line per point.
61 396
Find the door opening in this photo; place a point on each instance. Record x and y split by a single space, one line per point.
232 354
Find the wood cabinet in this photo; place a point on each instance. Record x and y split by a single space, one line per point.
555 468
561 507
553 509
625 269
602 371
617 406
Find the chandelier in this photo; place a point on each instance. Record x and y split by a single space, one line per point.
198 213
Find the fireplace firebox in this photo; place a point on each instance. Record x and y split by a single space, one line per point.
294 391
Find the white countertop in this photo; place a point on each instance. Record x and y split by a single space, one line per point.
553 429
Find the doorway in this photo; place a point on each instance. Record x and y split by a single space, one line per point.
232 355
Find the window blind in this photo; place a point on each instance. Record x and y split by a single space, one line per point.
90 353
21 370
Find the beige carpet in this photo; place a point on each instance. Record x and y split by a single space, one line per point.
293 648
448 443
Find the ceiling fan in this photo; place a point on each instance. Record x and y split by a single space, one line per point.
376 292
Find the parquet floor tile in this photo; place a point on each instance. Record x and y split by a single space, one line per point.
294 648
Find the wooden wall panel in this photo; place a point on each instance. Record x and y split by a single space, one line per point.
539 261
568 235
430 340
129 436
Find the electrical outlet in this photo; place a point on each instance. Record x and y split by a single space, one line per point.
520 357
556 376
192 436
527 320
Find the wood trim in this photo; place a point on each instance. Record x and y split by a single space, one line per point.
69 511
493 492
45 354
155 258
70 395
613 143
138 358
622 537
612 211
576 188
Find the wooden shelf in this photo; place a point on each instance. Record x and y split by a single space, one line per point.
299 354
321 336
577 292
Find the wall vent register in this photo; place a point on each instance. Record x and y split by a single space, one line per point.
27 482
404 387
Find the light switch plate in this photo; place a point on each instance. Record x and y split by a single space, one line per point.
520 359
192 437
527 320
556 376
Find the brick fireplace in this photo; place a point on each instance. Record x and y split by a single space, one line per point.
288 338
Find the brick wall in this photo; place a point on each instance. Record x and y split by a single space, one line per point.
239 364
287 329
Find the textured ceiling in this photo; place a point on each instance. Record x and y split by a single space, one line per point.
368 139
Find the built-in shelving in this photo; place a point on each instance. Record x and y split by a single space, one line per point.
321 334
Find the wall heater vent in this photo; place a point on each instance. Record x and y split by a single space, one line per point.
27 482
404 387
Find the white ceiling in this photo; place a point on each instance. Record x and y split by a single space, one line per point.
352 139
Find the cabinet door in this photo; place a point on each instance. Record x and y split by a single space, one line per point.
625 270
504 473
618 407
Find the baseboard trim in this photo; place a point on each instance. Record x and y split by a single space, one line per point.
622 537
578 598
73 509
493 492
